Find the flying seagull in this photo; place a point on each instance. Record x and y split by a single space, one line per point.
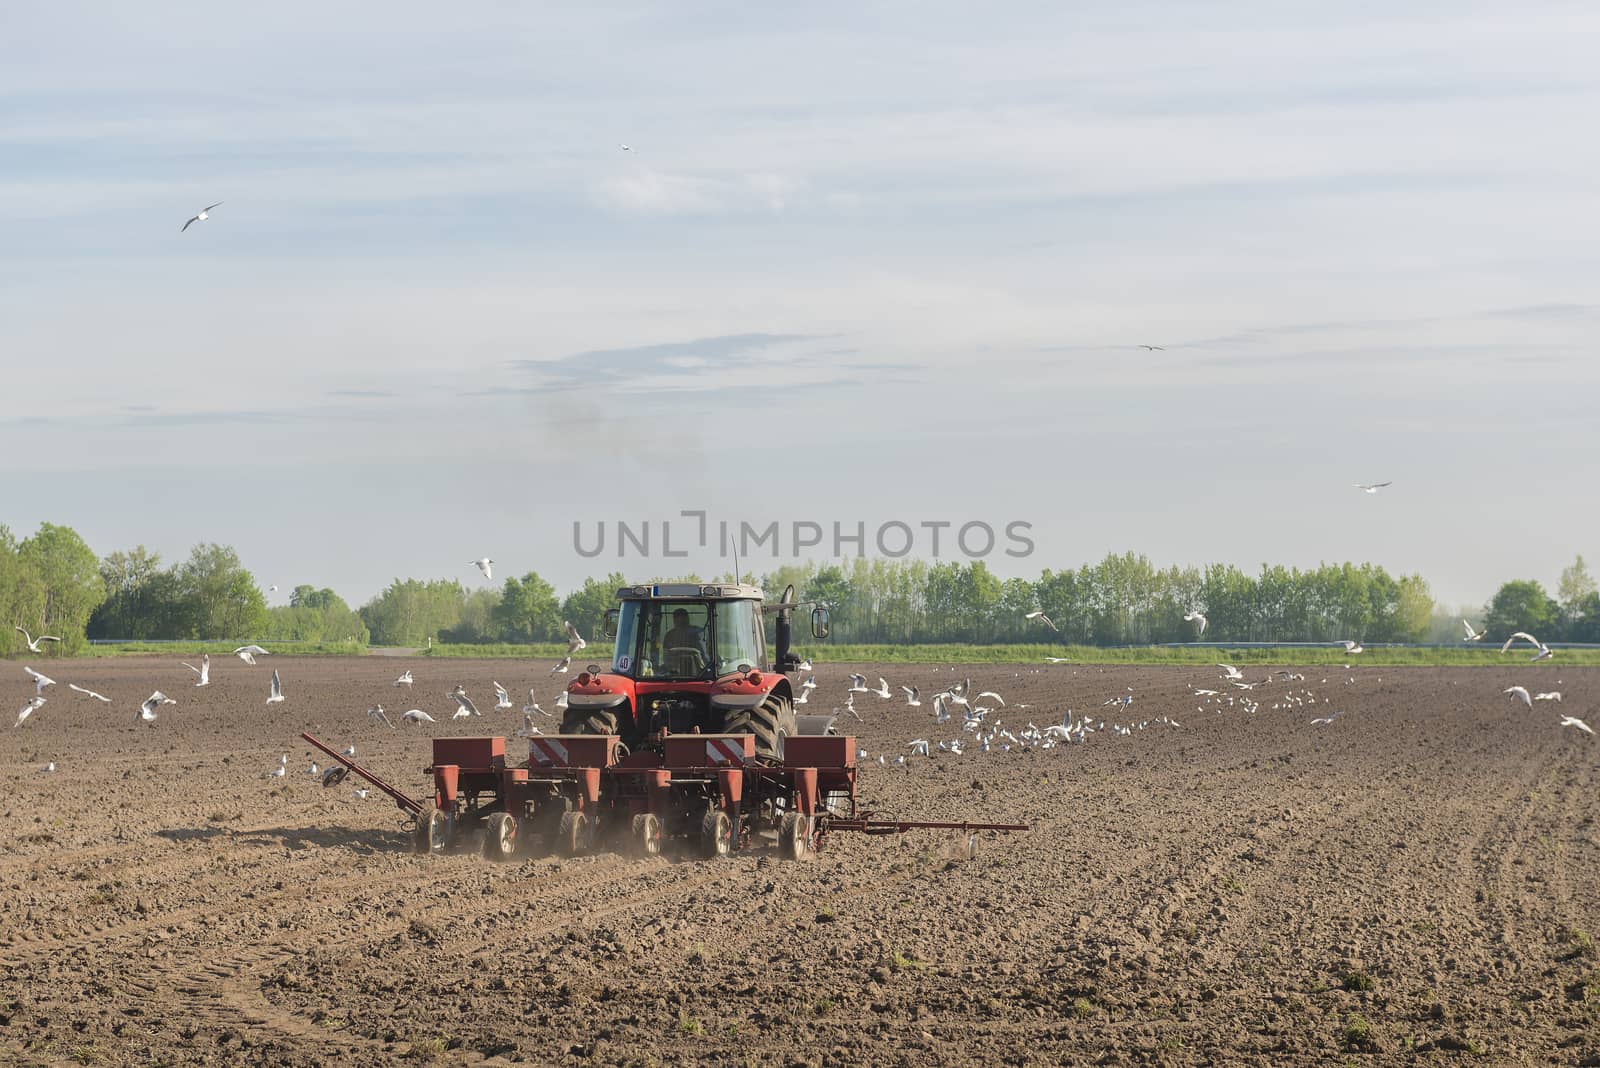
1232 672
1574 721
1472 635
33 643
883 690
1194 616
405 680
561 666
1520 693
205 213
147 711
277 689
1153 348
1042 618
381 716
90 693
28 710
574 639
502 697
533 705
626 148
1544 653
486 566
248 653
39 681
1350 646
913 696
1372 487
204 670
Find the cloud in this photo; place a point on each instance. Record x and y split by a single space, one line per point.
654 192
700 359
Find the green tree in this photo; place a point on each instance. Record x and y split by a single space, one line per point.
409 611
222 599
587 605
1520 605
528 610
61 584
129 610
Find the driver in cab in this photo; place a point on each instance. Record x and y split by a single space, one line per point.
683 636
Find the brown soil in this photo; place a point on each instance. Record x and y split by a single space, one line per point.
1418 881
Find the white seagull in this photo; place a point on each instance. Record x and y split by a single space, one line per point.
574 639
1152 348
918 747
204 670
1232 672
405 679
1520 693
464 705
28 710
561 699
1372 487
533 705
804 665
1042 618
858 684
1472 635
380 716
39 681
561 666
89 693
486 566
205 213
1544 653
1554 695
1194 616
913 696
883 690
33 643
147 711
277 689
1350 646
1574 721
417 715
502 697
248 653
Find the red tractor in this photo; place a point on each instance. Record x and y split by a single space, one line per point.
692 658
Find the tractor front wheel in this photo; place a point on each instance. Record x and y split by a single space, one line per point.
772 722
500 836
589 721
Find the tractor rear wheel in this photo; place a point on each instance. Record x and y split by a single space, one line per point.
572 836
772 722
589 721
716 833
793 832
647 834
500 836
432 831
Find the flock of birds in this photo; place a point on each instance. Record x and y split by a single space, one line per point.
981 726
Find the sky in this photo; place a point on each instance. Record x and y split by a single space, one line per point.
861 263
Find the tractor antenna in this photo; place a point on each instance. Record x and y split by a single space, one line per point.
736 561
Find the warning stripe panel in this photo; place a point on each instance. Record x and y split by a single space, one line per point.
547 751
724 752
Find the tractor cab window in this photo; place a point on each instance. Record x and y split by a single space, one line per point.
657 639
738 636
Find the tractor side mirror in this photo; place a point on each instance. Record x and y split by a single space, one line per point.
610 625
819 623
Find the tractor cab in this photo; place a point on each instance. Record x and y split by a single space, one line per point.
691 657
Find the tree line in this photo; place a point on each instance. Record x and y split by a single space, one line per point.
54 583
